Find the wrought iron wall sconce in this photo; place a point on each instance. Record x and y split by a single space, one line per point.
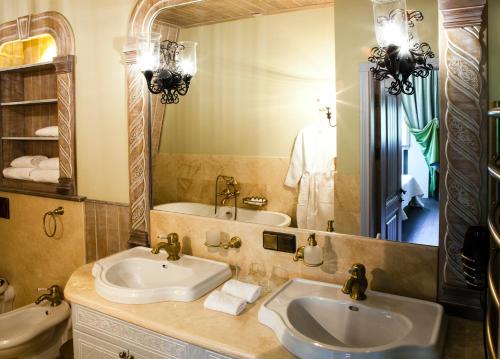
398 56
168 66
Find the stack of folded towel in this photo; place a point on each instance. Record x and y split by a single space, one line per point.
34 168
233 297
51 131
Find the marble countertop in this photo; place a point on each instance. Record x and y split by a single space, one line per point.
241 336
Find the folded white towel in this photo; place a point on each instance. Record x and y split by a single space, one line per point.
246 291
224 303
40 175
49 164
27 161
51 131
18 173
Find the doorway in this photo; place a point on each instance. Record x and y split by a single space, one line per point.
401 181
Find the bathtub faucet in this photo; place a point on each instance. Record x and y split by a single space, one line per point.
231 191
54 296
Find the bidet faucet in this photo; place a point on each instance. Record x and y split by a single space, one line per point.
357 283
171 246
55 296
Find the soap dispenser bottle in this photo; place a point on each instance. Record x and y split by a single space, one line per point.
313 254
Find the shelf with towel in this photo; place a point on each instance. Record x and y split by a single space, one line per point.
29 102
39 96
34 138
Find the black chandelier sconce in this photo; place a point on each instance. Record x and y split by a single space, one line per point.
399 56
168 66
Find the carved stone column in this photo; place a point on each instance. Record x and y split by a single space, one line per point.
139 185
464 104
66 121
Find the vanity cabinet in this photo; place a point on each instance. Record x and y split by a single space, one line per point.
100 336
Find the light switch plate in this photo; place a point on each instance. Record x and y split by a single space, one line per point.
281 242
4 208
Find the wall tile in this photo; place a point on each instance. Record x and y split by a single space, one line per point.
397 268
106 228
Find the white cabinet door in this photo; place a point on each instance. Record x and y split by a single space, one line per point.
100 336
89 347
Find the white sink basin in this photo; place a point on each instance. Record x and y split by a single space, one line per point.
227 212
136 276
315 320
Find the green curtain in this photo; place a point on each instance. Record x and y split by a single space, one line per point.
422 118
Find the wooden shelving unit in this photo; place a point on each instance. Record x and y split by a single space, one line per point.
28 102
36 93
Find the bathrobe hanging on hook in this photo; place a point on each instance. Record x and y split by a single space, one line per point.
311 169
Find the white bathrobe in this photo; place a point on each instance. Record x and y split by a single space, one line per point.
312 170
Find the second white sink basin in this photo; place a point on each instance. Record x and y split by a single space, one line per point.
136 276
316 320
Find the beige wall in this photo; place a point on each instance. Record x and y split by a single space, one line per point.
29 259
354 37
100 28
257 85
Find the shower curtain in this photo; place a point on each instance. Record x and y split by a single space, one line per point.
422 119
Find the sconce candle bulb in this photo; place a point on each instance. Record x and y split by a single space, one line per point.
167 66
398 58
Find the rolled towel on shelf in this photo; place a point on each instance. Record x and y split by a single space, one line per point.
27 161
51 131
18 173
41 175
49 164
225 303
246 291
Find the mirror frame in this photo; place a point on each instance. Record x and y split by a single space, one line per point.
464 103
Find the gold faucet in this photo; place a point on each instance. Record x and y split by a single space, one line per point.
171 246
357 283
55 296
231 190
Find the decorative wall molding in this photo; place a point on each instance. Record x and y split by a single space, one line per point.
140 109
56 25
66 121
463 141
23 27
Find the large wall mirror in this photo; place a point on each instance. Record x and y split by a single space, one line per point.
256 137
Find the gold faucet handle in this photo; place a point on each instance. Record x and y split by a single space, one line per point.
357 270
172 238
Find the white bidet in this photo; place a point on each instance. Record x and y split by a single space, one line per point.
34 331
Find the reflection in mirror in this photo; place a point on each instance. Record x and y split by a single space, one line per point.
255 139
252 140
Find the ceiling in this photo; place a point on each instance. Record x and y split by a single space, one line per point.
207 12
